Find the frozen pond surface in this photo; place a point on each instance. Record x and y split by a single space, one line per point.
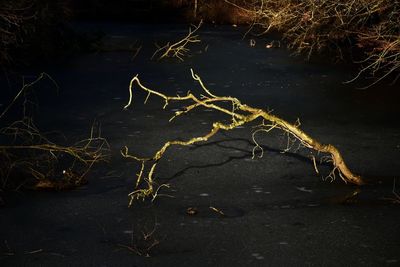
278 212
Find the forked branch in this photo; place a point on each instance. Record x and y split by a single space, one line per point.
240 114
179 49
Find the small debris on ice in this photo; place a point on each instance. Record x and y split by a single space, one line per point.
257 256
303 189
191 211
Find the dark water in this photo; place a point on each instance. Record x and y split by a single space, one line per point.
263 212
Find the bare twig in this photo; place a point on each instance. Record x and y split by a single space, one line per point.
312 27
31 159
179 49
240 114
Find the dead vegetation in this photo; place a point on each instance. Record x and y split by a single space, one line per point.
366 32
239 114
32 28
29 159
142 243
180 48
313 27
214 11
13 15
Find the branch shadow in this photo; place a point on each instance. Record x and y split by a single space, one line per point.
246 153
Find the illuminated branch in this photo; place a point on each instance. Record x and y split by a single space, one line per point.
384 58
240 114
179 49
312 27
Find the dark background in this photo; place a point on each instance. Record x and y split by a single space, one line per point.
279 212
127 10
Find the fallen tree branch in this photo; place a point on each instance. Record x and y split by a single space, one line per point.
240 114
179 49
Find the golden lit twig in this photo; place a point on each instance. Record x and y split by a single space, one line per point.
179 49
247 114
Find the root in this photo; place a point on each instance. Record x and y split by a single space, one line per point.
240 114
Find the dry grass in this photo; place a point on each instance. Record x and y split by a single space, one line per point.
29 26
13 15
216 11
29 159
313 26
